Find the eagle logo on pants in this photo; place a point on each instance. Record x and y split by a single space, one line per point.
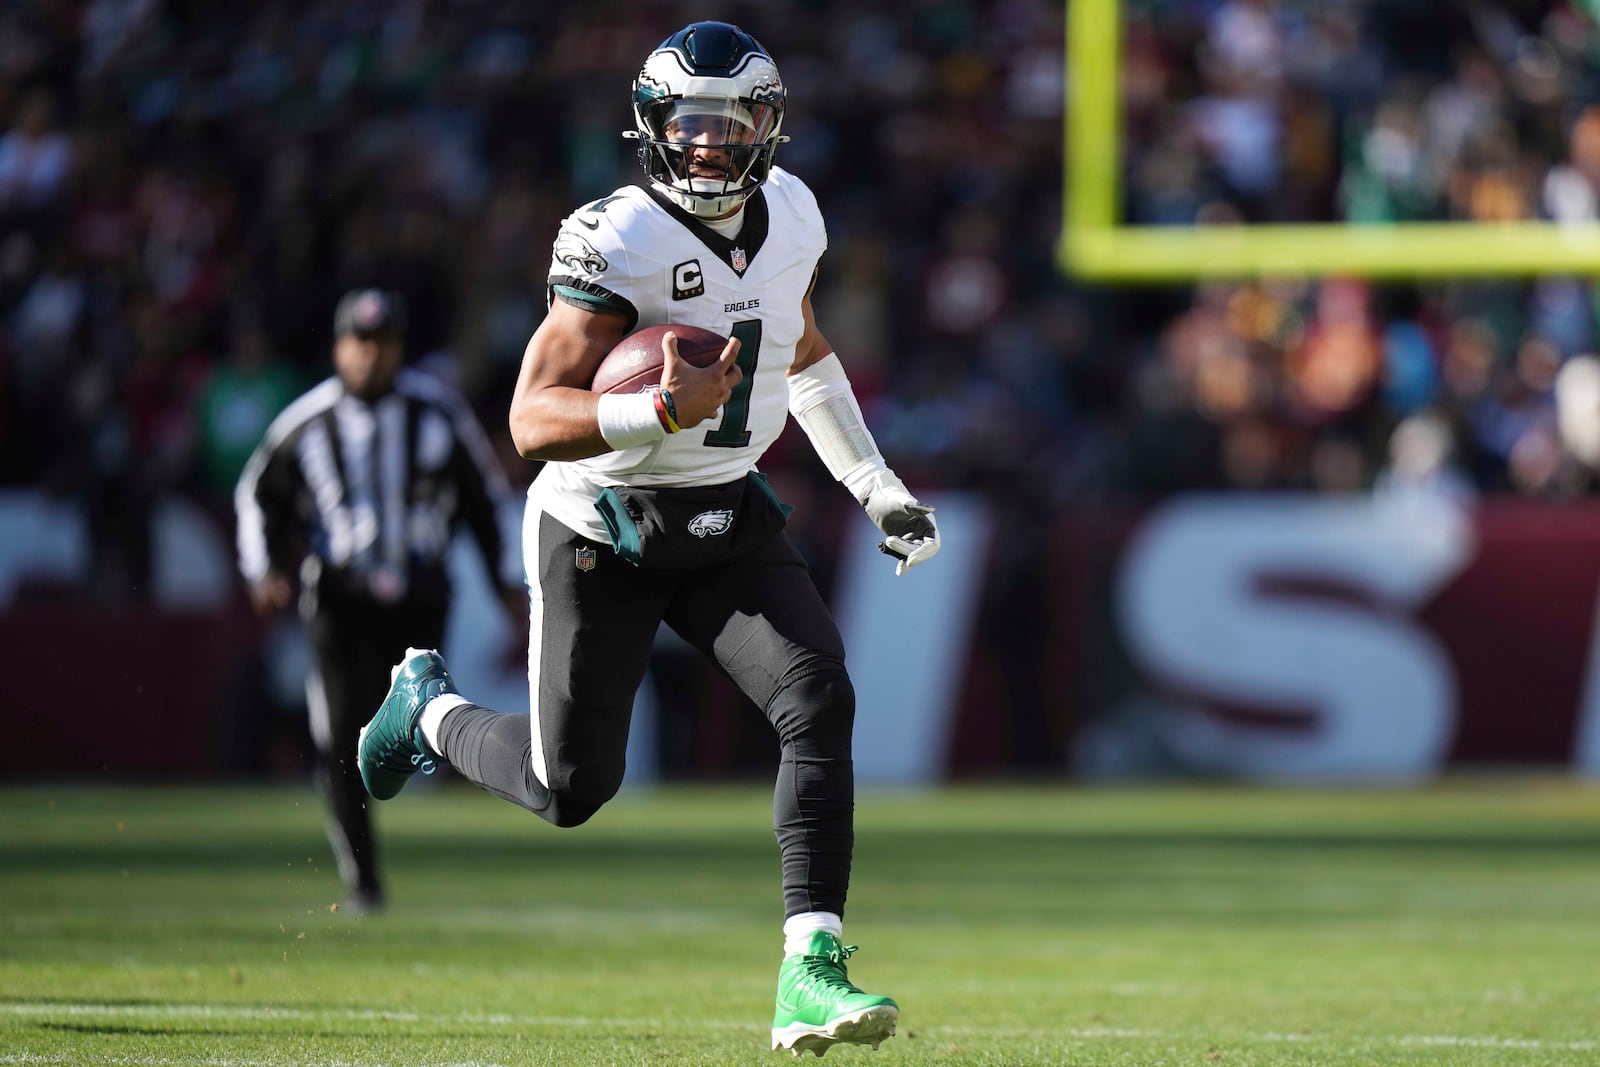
711 523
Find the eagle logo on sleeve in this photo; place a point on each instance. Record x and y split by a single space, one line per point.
575 253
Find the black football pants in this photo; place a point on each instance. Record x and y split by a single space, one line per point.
357 643
594 618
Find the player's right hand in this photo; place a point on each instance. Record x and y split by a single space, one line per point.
698 393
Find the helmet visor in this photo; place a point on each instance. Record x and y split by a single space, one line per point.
709 121
708 147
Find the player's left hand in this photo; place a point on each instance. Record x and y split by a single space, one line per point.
910 534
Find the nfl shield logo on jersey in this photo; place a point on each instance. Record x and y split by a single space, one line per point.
586 559
736 258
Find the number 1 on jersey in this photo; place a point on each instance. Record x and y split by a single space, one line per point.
732 431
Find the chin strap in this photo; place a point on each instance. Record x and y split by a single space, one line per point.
702 208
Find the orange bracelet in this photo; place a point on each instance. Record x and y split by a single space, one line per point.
664 413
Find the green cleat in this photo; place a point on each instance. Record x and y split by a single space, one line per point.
819 1008
391 747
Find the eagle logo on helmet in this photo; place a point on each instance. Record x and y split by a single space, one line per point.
711 523
768 91
645 85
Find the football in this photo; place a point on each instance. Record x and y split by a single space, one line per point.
636 361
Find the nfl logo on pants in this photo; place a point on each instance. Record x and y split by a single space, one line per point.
586 559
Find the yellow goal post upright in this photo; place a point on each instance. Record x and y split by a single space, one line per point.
1096 246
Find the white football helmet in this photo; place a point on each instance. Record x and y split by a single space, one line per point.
708 105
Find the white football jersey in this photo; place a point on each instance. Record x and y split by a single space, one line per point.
640 255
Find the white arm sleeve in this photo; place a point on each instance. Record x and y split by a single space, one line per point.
821 400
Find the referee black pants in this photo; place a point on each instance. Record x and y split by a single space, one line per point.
357 642
594 618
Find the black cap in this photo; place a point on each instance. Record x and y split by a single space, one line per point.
370 312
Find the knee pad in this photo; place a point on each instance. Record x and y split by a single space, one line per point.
819 705
580 792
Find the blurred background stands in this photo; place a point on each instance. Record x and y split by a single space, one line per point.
186 188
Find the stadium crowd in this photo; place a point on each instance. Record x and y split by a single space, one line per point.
186 188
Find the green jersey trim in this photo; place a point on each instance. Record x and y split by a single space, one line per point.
591 297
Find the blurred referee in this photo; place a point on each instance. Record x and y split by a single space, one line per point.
358 488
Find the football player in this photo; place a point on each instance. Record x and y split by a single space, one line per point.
618 538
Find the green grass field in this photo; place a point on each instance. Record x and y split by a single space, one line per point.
1456 925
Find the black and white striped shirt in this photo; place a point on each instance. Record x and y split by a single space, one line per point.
369 493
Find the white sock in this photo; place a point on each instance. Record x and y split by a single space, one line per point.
797 929
433 714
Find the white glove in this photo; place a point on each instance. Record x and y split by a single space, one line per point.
910 534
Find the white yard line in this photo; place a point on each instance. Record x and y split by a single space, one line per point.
30 1060
56 1009
245 1011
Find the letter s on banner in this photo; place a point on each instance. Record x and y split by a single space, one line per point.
1382 692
